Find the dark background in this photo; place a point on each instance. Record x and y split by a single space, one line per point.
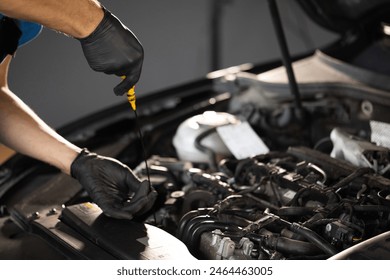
52 76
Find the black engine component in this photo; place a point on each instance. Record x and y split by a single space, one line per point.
282 205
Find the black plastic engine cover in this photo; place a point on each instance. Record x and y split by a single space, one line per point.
121 238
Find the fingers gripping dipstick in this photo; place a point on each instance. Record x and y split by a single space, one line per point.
131 96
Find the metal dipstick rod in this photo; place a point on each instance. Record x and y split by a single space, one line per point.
132 100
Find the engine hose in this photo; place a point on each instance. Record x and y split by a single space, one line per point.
232 218
313 219
319 222
264 231
345 181
371 208
349 210
265 204
247 189
314 238
332 198
193 241
302 193
241 166
292 235
255 237
295 211
354 226
258 170
290 246
187 217
211 154
192 223
294 201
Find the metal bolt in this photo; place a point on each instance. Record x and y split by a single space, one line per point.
367 108
35 215
52 211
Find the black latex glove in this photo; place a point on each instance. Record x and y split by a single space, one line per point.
112 185
113 49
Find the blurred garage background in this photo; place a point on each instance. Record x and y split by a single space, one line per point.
51 74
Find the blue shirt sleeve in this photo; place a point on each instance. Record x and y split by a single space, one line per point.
29 30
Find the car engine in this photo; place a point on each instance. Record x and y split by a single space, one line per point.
280 205
297 203
318 185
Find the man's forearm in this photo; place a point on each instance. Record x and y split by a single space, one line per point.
77 18
23 131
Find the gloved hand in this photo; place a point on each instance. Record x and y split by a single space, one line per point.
113 49
112 185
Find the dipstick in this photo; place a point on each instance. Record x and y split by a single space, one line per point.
132 100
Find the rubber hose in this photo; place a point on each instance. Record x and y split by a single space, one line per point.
187 217
290 246
371 208
295 211
211 154
192 223
314 238
292 235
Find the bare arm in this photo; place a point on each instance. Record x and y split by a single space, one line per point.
77 18
22 130
113 49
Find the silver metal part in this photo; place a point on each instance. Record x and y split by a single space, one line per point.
380 133
359 152
214 245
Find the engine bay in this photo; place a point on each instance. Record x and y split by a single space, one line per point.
294 205
320 186
285 185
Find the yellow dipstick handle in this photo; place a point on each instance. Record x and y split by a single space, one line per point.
131 98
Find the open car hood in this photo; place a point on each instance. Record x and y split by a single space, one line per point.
347 15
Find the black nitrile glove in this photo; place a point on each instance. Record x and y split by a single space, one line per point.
112 185
113 49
